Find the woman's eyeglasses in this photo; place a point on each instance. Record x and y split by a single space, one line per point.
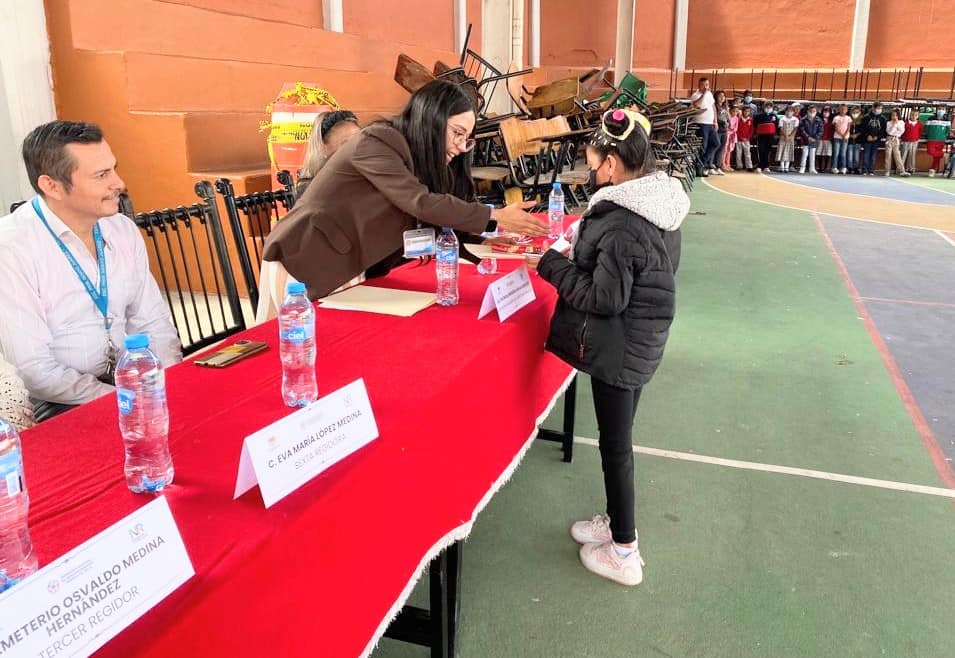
460 138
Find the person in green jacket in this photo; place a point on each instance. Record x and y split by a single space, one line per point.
936 132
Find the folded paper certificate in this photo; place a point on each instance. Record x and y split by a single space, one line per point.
403 303
487 251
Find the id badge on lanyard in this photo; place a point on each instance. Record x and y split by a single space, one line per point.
419 243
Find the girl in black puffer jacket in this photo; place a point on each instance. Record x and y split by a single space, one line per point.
616 288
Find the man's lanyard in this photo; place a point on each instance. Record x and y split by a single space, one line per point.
101 298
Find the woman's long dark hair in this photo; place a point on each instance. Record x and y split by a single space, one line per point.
424 124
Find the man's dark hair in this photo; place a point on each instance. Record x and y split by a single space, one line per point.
424 124
44 150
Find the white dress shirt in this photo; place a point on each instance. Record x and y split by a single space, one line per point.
708 105
50 328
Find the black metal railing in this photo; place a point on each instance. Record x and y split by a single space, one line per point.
194 269
250 218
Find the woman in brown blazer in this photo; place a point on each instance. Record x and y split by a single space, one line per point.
413 169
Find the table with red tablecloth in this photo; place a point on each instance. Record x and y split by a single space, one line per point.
457 401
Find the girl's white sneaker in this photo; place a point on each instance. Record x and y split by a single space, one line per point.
603 560
596 530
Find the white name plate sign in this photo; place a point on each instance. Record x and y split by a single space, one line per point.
78 603
508 295
288 453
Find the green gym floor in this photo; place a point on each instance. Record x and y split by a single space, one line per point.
769 362
936 183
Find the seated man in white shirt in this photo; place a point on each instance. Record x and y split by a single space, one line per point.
74 272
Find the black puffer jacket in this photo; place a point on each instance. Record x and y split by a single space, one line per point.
617 295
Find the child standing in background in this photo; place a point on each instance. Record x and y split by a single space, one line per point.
873 135
722 126
786 149
910 141
731 138
810 131
936 131
951 154
765 125
894 130
854 150
744 133
841 125
825 144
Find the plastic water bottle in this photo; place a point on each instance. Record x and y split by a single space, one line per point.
297 347
143 417
17 559
555 212
446 255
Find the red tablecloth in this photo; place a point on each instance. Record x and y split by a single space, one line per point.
321 573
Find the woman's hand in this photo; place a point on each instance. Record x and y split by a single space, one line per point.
531 261
515 219
504 239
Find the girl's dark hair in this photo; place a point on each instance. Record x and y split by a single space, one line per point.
634 151
315 157
424 124
332 119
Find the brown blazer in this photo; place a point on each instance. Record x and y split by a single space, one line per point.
354 212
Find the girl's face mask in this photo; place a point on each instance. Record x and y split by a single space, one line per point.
592 185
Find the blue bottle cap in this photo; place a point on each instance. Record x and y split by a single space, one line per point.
136 341
555 186
295 288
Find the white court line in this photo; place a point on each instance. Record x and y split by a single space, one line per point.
908 181
945 237
809 210
786 470
783 179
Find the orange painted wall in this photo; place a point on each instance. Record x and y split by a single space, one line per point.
911 34
475 18
744 35
428 23
577 34
769 34
653 36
